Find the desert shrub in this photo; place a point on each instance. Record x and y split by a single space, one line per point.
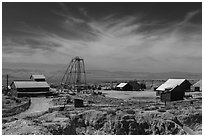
161 110
111 111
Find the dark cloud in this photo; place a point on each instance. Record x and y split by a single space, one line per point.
28 43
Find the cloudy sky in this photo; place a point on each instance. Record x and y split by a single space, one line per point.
148 37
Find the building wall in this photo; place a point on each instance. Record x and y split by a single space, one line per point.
39 79
197 89
177 93
166 96
158 93
174 95
32 89
127 87
186 86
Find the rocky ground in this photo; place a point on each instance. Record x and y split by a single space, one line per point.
12 105
8 101
110 116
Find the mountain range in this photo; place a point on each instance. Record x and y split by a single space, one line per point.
54 73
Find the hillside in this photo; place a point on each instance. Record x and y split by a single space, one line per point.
54 73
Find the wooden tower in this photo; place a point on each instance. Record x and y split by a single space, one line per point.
75 76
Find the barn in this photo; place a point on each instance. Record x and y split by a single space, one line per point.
173 89
29 88
124 87
197 86
37 77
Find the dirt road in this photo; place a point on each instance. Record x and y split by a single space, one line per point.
38 105
129 94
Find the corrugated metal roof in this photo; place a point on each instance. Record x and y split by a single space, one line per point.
38 76
198 84
30 84
121 85
170 84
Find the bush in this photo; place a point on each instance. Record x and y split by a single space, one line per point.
161 110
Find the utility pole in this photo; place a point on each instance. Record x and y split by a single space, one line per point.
7 82
152 83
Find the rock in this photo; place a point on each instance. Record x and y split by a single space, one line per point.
153 108
130 111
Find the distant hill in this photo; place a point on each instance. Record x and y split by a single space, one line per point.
54 73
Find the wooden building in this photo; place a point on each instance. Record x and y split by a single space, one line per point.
197 86
124 87
29 88
37 77
173 89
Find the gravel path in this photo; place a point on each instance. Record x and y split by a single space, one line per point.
129 94
38 105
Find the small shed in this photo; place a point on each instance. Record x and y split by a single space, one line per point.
37 77
173 89
124 87
197 86
30 87
78 102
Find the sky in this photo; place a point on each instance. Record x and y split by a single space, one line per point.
136 37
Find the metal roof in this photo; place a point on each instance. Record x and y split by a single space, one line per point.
30 84
121 85
38 76
170 84
198 84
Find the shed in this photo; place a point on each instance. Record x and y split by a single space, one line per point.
197 86
37 77
30 87
78 102
124 87
173 89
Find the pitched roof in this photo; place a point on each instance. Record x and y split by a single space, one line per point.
198 84
38 76
30 84
170 84
121 85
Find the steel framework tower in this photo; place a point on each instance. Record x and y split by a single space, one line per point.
75 75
